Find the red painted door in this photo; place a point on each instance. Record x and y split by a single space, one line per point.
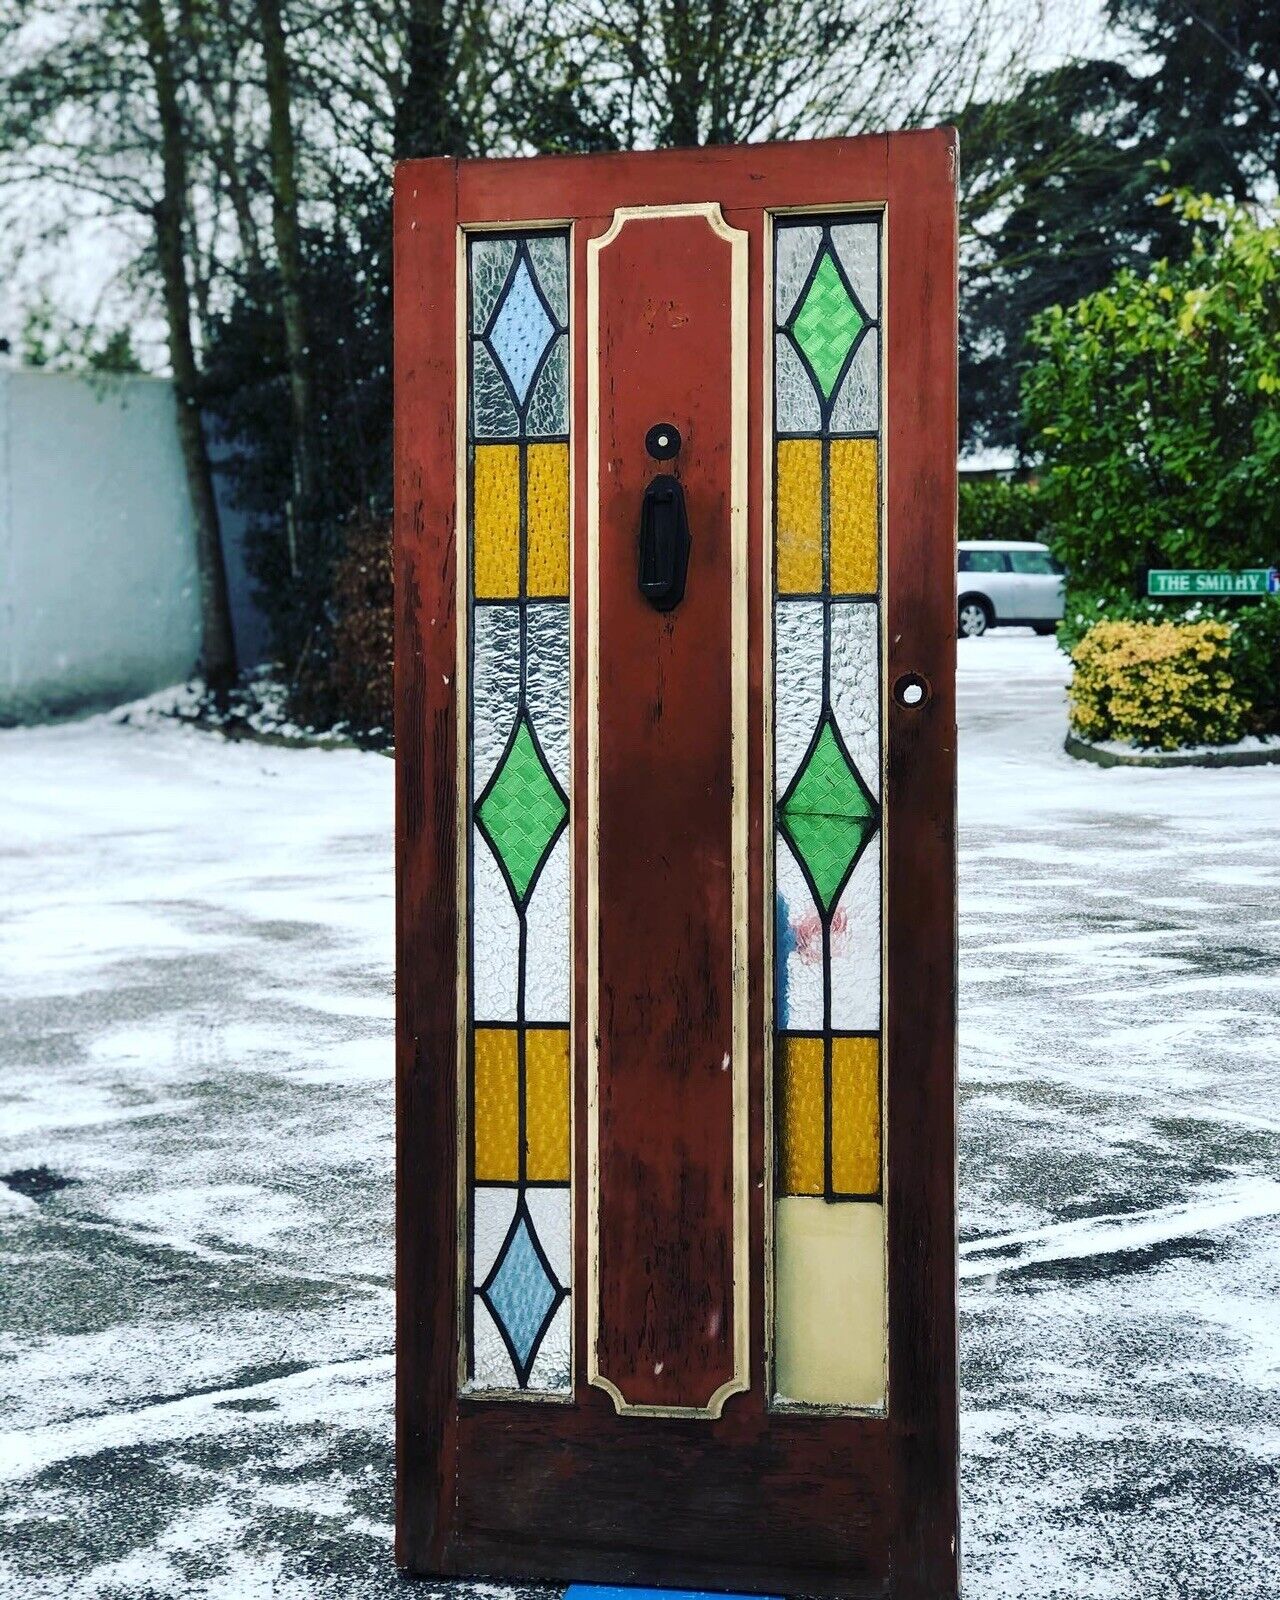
676 867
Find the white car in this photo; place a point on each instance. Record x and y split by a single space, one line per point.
1007 582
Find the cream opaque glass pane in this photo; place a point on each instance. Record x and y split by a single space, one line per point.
829 1294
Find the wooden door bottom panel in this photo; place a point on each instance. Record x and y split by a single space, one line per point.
794 1505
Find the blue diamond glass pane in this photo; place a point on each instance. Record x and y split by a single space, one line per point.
521 1291
521 332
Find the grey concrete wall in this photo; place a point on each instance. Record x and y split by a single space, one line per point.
98 585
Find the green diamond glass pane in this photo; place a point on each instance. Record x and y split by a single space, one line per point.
522 810
827 324
828 816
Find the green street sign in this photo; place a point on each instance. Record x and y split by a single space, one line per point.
1204 585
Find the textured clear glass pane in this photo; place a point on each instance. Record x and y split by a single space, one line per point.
797 978
493 412
855 685
495 687
549 408
546 921
495 938
796 247
795 397
550 261
857 405
494 1210
553 1367
547 683
859 246
797 703
549 1210
491 1363
490 263
855 946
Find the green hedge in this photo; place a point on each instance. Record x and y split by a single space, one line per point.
991 508
1154 408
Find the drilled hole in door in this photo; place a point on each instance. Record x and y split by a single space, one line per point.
911 690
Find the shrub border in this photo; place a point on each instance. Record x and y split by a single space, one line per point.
1082 750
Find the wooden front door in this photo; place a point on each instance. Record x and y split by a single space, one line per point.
675 468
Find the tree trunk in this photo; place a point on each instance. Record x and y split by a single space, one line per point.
288 241
217 642
427 121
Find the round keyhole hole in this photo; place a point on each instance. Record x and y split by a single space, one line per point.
663 441
911 690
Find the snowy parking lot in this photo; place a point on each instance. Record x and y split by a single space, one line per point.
196 1152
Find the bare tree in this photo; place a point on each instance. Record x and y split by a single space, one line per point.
599 74
287 232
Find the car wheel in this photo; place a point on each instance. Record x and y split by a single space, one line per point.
974 618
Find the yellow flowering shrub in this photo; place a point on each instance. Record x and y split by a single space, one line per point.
1156 684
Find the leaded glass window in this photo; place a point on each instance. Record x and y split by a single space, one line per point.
828 1335
516 1072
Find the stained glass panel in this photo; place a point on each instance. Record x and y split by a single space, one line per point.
799 516
828 1335
516 1070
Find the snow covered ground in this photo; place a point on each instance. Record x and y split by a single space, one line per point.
195 1330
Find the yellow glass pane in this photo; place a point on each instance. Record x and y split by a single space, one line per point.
546 1110
547 519
799 516
496 521
829 1304
801 1139
855 517
855 1116
495 1106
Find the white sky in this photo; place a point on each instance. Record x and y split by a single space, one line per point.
79 274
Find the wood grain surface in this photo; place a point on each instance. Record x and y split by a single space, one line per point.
756 1499
665 864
